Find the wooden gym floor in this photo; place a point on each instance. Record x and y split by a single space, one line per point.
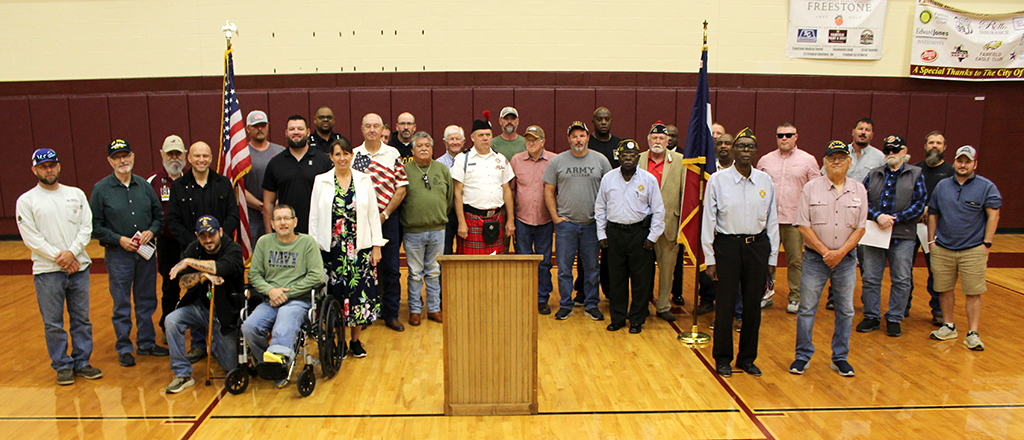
593 383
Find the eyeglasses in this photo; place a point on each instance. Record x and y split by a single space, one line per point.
744 146
406 123
426 182
785 135
277 219
837 158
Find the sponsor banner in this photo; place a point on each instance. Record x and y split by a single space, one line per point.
836 29
949 43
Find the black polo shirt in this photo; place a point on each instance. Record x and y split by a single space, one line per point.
292 180
607 148
319 143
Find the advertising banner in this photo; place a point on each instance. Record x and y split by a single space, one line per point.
952 44
836 29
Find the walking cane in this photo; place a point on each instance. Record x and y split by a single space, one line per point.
209 336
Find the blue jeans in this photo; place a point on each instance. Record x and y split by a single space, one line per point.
536 240
53 289
571 239
196 317
812 282
421 252
282 323
131 277
900 257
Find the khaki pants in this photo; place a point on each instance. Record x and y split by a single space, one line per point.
793 243
665 253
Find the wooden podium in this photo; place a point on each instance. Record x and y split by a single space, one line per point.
490 334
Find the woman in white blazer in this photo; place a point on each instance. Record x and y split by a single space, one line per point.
344 221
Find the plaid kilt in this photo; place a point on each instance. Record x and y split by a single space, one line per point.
474 242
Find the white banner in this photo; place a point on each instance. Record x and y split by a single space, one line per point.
836 29
959 45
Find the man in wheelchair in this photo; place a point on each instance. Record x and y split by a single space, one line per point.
212 262
285 267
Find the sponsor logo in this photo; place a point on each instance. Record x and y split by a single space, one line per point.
929 56
1018 23
807 35
959 53
963 25
992 45
925 17
837 36
867 37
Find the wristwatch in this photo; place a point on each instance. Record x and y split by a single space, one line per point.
987 244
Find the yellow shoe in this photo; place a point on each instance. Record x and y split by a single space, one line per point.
273 358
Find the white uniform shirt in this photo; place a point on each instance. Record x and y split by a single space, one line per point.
737 205
481 177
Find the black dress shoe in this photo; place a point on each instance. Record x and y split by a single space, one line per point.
750 369
724 370
704 309
393 324
636 328
613 327
678 300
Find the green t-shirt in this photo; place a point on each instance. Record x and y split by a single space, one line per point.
423 209
297 265
508 148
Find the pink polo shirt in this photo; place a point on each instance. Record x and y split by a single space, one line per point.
789 174
529 187
832 215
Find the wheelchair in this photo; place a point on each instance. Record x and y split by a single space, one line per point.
323 328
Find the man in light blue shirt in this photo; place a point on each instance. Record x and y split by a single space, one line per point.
741 231
630 217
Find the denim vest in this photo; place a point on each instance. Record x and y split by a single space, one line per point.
906 228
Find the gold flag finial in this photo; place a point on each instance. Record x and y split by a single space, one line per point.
705 34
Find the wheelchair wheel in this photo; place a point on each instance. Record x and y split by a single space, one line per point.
331 352
237 380
307 381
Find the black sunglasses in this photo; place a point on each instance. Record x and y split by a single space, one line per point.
426 182
891 150
785 135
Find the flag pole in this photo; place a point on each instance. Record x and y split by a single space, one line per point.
696 338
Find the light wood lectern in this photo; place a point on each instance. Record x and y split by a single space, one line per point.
490 334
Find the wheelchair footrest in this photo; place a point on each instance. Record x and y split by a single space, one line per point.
271 371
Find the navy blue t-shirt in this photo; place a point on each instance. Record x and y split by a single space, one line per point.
961 210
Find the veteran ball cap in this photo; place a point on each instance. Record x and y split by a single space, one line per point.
256 117
173 143
659 127
968 151
836 147
44 155
627 144
894 141
534 131
575 125
117 146
508 111
746 132
207 223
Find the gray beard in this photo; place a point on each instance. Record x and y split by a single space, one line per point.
894 161
933 158
174 167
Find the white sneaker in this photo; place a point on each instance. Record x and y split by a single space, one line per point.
945 333
793 307
179 384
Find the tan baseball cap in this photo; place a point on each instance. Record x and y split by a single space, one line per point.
173 143
534 131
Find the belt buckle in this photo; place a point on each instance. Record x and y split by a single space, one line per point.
749 239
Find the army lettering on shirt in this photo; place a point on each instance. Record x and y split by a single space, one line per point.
282 259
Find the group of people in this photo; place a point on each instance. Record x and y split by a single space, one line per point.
323 210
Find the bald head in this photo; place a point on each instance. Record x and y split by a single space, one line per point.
371 128
200 155
406 126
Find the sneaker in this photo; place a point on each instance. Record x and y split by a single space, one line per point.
563 313
344 350
973 341
937 320
281 383
704 309
893 329
578 302
868 325
357 349
155 350
274 358
195 354
544 309
126 359
792 307
738 325
65 377
843 368
89 372
798 367
767 302
830 305
179 384
945 333
594 314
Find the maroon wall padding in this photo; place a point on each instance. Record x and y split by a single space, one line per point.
847 108
651 105
927 113
129 119
286 103
90 128
453 106
51 128
168 114
367 101
338 101
684 105
622 103
812 116
16 131
537 107
415 101
889 111
773 108
492 99
572 104
737 109
205 118
964 119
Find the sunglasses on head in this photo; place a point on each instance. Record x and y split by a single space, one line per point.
785 135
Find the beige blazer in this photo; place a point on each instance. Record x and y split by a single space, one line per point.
672 182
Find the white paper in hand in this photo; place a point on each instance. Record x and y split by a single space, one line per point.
876 237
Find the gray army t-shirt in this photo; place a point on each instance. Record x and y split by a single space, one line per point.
576 181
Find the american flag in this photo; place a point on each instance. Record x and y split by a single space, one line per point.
233 161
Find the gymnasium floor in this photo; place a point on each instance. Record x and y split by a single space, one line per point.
592 383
